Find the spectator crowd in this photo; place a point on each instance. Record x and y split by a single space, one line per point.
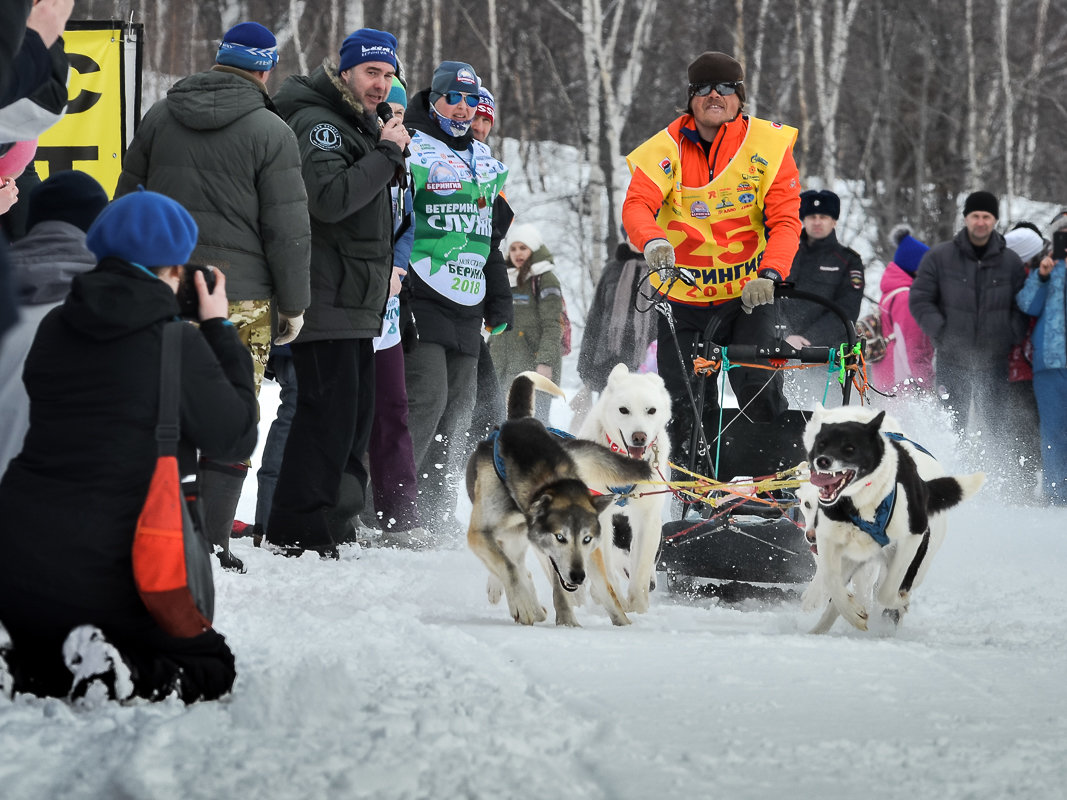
347 235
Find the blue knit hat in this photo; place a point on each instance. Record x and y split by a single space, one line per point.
454 76
367 44
250 46
143 228
909 251
398 94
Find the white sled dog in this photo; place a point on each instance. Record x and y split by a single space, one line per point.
525 490
879 512
630 417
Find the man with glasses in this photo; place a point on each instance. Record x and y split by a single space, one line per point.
458 278
713 203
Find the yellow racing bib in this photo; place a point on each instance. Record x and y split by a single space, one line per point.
716 230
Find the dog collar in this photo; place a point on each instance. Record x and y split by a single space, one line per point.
615 448
498 461
882 515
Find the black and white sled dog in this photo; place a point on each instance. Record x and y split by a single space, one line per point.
876 511
630 417
525 490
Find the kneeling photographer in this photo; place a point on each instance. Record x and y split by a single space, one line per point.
71 500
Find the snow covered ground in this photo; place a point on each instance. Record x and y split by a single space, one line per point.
387 674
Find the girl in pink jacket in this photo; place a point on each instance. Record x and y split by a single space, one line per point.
908 364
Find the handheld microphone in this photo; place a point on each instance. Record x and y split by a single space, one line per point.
385 113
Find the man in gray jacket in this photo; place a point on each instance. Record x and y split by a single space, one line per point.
217 145
963 298
44 262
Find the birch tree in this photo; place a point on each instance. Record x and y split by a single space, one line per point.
619 84
829 72
1028 104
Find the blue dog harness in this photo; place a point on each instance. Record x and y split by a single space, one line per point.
900 437
502 473
882 515
498 461
884 512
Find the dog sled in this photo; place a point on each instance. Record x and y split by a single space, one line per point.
739 534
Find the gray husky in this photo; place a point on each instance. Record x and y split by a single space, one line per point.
525 490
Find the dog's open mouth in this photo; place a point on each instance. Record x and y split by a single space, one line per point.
635 452
567 585
831 484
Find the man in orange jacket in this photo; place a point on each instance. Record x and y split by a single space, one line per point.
714 202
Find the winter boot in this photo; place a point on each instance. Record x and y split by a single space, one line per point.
100 673
220 491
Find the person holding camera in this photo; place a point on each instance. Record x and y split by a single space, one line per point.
71 499
217 145
1044 296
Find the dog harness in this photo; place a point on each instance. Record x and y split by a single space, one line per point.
882 515
502 473
899 437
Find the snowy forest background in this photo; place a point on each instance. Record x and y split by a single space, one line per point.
912 102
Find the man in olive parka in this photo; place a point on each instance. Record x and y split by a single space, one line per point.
217 145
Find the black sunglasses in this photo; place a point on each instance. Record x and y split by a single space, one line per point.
725 89
452 98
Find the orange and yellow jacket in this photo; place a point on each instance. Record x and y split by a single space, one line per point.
730 215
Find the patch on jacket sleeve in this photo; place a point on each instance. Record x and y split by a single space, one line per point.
325 136
856 278
550 291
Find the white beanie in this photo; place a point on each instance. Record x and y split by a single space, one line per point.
525 233
1024 242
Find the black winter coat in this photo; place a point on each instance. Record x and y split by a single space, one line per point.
69 502
440 320
966 306
829 269
347 170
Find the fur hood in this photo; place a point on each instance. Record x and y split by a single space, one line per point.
330 67
323 84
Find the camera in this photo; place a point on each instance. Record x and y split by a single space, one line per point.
188 301
1059 245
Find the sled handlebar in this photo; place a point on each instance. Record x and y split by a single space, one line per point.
788 289
774 352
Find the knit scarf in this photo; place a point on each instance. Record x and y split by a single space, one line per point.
622 312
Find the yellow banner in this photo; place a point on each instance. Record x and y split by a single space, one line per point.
90 136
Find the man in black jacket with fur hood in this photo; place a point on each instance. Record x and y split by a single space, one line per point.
348 162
